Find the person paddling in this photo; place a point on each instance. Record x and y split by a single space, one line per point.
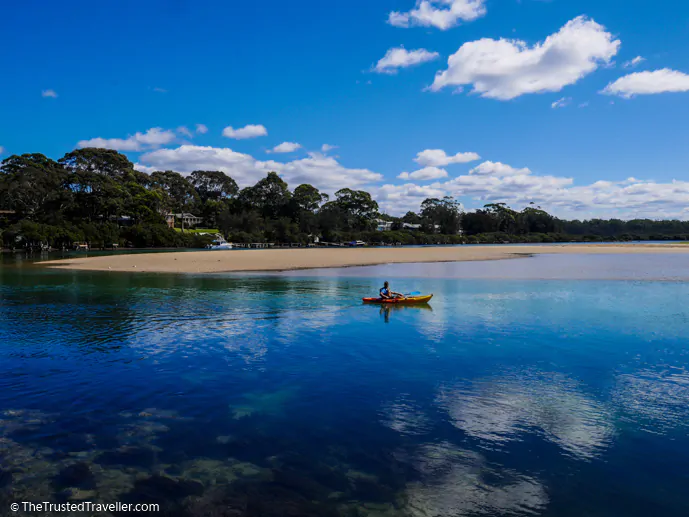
386 293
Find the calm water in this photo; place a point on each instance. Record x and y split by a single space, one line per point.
283 395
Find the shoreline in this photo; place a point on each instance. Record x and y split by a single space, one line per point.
236 261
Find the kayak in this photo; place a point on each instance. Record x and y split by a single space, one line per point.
407 301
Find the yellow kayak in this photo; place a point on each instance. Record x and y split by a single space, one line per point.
407 301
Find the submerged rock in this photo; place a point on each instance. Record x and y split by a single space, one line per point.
257 500
264 403
162 490
128 456
5 478
77 475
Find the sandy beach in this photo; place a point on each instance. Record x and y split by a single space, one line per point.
293 259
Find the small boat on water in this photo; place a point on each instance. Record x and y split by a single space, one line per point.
408 300
219 243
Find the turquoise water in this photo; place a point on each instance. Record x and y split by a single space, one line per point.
283 395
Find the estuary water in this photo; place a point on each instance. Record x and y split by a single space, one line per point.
518 391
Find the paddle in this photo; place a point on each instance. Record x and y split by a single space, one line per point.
415 293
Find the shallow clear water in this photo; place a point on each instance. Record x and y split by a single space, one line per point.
284 395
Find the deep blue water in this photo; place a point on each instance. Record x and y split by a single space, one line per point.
284 395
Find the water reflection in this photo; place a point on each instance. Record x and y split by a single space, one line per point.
457 482
276 396
659 397
507 408
386 310
405 416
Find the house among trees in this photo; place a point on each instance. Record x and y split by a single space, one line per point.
383 226
188 220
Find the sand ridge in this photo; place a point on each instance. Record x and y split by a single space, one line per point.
294 259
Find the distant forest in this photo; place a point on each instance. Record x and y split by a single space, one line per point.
96 196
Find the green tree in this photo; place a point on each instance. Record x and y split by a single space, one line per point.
33 186
442 214
359 209
179 194
213 185
309 198
270 196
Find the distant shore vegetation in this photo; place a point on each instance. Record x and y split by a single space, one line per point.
96 197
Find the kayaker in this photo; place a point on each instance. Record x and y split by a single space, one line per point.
386 293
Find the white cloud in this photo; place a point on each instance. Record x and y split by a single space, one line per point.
504 69
441 14
188 158
250 131
396 58
438 158
2 150
321 171
648 83
634 62
399 199
498 169
159 90
427 173
584 104
561 103
327 147
488 182
49 93
201 129
154 137
285 147
184 130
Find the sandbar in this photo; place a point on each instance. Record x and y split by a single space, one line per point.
294 259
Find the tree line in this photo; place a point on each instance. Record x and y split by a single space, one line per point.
96 196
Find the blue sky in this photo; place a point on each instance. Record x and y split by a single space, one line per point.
304 72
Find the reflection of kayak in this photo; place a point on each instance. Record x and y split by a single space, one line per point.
407 301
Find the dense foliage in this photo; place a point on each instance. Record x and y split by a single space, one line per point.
96 196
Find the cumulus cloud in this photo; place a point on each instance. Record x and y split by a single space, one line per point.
438 158
327 147
154 137
184 130
634 62
188 158
504 69
561 103
396 58
399 199
321 171
648 83
285 147
201 129
250 131
49 93
427 173
485 183
489 168
441 14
